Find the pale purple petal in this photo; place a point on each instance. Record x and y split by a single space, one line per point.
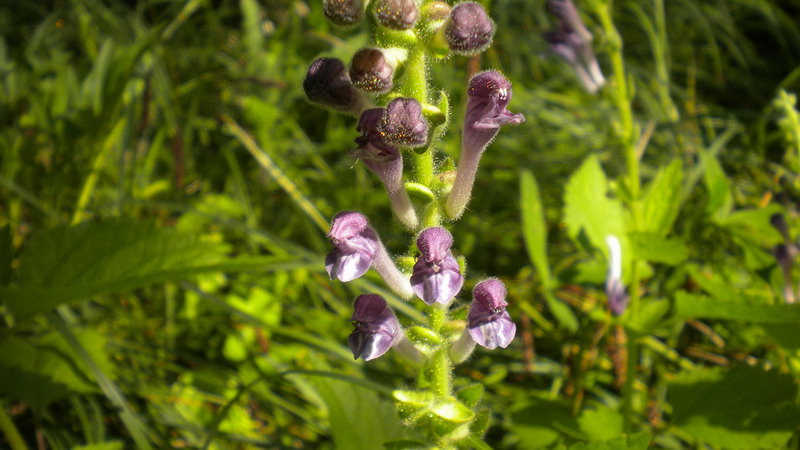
495 333
488 321
437 282
376 327
355 246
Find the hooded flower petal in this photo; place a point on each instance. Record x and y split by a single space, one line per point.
376 327
328 84
356 245
437 276
488 321
469 29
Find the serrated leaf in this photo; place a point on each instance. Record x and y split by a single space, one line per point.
72 263
588 209
744 407
661 203
600 423
699 306
658 249
534 226
359 419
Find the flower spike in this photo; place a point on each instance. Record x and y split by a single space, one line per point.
437 276
488 321
376 327
489 94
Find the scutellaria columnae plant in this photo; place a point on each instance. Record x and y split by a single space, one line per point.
386 88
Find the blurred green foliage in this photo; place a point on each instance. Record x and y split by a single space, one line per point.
164 188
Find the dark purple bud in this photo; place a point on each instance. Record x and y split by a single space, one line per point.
328 84
396 14
469 29
386 162
355 246
488 321
567 13
370 71
437 276
615 290
488 96
376 327
403 123
343 12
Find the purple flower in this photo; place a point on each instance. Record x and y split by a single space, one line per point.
386 162
572 41
488 321
615 290
328 84
469 29
343 12
355 246
489 94
376 327
437 276
396 14
403 123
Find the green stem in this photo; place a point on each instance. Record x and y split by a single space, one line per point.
415 85
10 431
628 137
441 374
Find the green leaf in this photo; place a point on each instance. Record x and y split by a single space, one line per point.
359 419
699 306
534 226
45 369
471 394
110 445
588 209
661 203
638 441
650 314
562 312
73 263
423 336
720 199
744 407
658 249
600 423
453 411
543 422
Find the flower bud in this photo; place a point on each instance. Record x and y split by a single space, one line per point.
372 69
328 84
469 29
488 321
376 327
396 14
343 12
403 123
437 276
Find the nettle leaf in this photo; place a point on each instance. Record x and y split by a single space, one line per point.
73 263
359 419
700 306
661 203
589 210
744 407
653 247
534 226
